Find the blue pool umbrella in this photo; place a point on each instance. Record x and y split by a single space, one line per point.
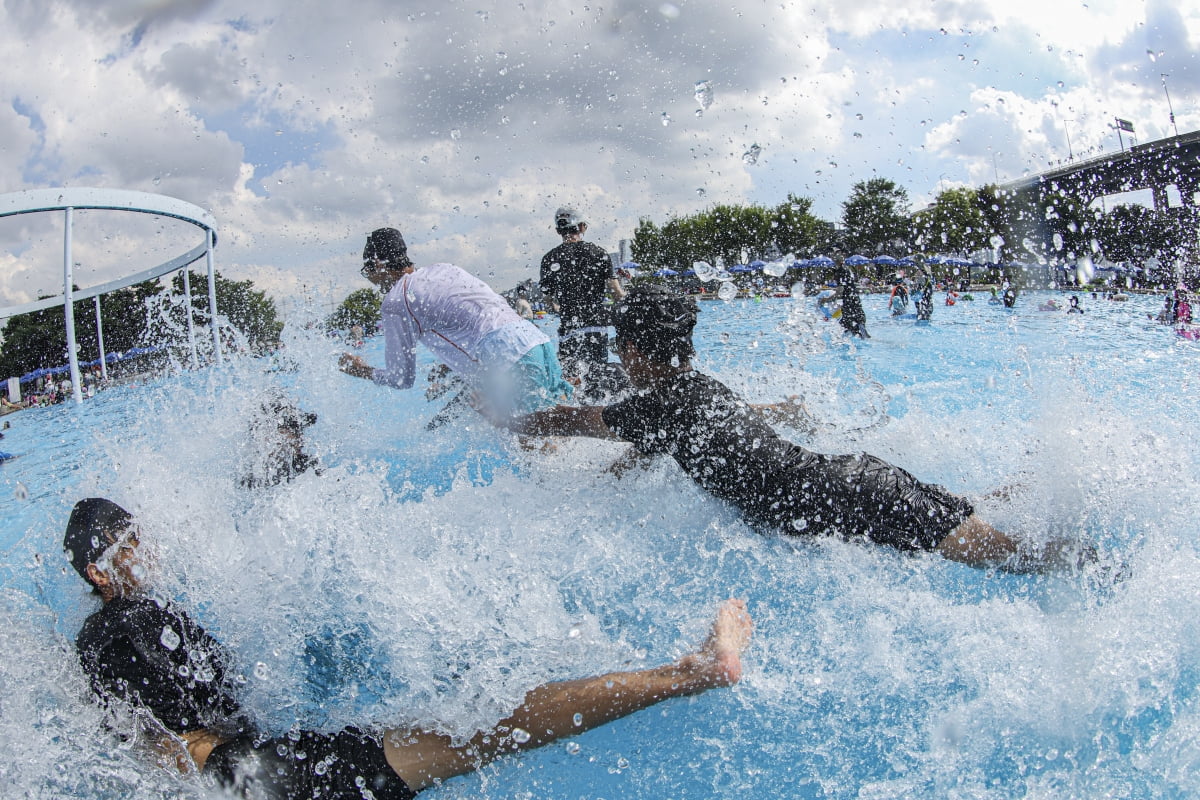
687 273
665 273
738 269
34 375
857 260
906 261
757 264
885 260
818 261
631 265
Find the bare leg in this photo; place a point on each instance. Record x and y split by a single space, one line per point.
978 544
557 710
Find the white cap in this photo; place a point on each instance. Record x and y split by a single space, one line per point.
567 217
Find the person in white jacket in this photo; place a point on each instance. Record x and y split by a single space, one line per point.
506 360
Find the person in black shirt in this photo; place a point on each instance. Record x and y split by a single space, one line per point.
727 446
154 657
575 276
853 318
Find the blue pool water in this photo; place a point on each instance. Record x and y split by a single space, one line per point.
431 578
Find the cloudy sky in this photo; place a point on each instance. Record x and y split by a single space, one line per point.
301 125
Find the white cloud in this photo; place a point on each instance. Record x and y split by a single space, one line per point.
303 125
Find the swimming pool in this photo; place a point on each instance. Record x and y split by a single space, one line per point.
433 577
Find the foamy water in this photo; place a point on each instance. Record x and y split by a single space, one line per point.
431 578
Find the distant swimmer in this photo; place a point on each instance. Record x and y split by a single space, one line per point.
1073 306
1051 305
951 297
898 300
729 449
152 657
924 294
853 318
1008 294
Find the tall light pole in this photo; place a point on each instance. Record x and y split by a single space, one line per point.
1070 153
1169 108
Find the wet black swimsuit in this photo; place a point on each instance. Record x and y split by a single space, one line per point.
157 658
730 450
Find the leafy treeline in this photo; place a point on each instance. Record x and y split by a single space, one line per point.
876 219
136 316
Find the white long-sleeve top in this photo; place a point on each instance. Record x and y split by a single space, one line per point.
459 318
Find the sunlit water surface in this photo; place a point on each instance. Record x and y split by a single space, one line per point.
431 578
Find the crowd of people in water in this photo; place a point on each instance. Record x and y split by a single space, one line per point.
495 364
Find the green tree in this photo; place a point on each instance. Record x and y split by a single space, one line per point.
648 245
875 217
248 310
955 223
361 307
795 229
39 340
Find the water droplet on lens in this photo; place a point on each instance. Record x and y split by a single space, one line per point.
751 155
455 134
520 735
577 719
666 119
260 671
572 748
169 638
727 291
21 492
704 94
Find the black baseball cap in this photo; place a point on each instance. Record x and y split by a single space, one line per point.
94 524
658 320
386 244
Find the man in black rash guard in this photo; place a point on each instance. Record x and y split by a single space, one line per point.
726 446
575 275
154 657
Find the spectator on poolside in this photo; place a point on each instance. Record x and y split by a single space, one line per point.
575 276
156 658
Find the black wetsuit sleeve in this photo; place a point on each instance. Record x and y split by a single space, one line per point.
159 659
548 277
638 420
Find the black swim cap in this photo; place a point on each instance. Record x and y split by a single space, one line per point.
88 531
657 320
386 244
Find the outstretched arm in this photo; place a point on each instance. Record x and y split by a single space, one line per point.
562 421
557 710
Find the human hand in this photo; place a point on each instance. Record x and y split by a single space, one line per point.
354 365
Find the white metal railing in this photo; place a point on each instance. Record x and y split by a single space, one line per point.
33 201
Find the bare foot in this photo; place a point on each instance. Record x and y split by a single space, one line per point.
718 662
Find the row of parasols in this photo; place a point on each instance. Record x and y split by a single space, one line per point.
824 262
